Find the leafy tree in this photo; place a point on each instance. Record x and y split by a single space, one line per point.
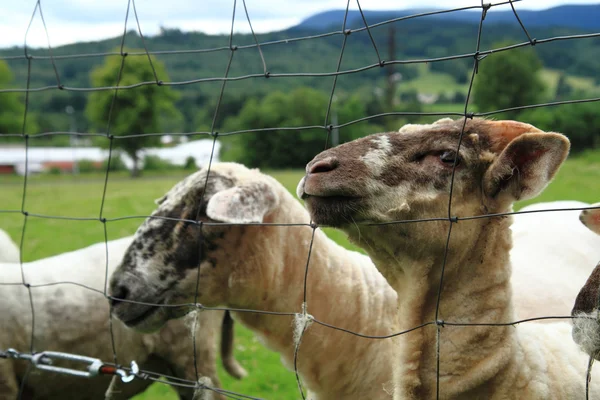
136 111
508 79
11 107
405 101
427 40
578 121
563 89
285 148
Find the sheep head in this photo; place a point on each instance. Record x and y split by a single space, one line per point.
181 240
407 175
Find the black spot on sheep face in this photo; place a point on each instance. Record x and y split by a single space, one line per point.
167 248
173 257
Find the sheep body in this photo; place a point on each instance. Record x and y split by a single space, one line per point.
452 278
550 249
550 365
74 319
265 271
9 252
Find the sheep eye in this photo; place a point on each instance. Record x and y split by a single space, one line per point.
447 157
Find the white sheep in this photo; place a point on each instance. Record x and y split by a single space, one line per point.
468 348
551 249
586 326
262 268
9 252
73 319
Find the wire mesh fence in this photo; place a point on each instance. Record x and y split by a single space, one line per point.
40 358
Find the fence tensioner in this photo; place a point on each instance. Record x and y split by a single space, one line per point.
95 366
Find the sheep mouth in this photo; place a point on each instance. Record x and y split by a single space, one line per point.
316 186
334 211
144 315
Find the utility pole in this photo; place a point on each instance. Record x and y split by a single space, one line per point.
72 139
389 69
335 133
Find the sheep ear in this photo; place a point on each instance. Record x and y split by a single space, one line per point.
525 166
242 204
591 218
160 200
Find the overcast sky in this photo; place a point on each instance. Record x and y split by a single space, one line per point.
70 21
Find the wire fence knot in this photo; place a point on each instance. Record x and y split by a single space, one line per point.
203 387
485 8
301 323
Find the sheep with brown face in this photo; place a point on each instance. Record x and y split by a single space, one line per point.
372 188
586 325
242 265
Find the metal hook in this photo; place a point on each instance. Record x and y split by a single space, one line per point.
95 367
123 374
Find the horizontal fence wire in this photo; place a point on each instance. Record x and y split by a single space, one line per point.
345 35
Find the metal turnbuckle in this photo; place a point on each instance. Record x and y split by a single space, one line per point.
44 361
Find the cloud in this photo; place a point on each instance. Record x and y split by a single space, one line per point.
70 21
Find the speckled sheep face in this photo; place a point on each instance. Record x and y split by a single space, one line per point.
407 175
170 248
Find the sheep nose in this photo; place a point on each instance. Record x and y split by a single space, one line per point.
120 292
325 165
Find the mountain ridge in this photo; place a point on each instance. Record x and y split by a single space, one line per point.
584 17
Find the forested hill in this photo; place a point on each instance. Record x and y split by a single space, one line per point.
585 17
414 39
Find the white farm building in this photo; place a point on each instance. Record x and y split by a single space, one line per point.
39 159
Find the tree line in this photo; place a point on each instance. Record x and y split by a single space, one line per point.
284 129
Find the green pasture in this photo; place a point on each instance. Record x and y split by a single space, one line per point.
59 196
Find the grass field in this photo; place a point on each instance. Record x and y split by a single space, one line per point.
579 179
578 83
